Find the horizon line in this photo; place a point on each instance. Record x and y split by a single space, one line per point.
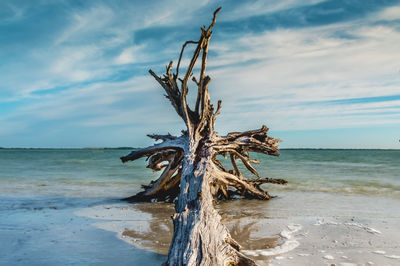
129 148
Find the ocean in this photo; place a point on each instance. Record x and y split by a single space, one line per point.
62 207
100 173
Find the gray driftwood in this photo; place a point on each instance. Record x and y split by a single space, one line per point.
193 175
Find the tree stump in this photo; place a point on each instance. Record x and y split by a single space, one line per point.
193 176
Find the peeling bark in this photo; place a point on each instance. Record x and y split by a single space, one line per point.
193 176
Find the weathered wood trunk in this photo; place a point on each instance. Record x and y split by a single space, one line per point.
199 236
194 177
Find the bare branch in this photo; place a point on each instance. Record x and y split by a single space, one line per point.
174 181
248 141
214 116
268 180
156 160
218 108
174 163
176 144
162 137
173 95
219 164
172 79
245 162
200 90
195 81
237 173
240 184
180 56
214 18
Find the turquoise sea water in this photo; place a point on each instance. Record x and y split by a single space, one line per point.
100 173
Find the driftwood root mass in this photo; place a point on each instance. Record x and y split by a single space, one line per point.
193 175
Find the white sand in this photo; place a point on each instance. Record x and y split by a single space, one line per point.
320 229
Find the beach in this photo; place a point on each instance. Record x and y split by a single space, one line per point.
320 230
62 207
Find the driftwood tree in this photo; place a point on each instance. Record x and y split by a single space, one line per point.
192 173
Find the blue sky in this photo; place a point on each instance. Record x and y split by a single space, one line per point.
319 74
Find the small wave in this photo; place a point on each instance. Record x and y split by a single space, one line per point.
359 225
374 189
289 243
78 161
366 228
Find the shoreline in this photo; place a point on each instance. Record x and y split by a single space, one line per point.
45 231
136 148
272 233
296 228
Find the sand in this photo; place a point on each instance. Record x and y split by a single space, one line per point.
297 228
321 229
44 231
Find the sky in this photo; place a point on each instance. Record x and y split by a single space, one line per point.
319 74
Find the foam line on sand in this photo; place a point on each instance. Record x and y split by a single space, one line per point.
289 243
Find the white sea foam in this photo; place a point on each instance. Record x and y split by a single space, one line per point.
359 225
289 244
392 256
253 253
303 254
380 252
366 228
322 222
328 257
285 247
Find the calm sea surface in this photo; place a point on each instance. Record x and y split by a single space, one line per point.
100 173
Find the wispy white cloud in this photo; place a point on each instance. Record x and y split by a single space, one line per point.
390 13
273 75
92 42
132 54
86 23
260 7
97 105
11 13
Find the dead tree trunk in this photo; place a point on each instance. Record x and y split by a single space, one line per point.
194 175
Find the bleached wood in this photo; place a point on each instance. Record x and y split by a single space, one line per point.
192 173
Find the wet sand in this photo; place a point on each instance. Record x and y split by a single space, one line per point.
294 229
44 231
297 228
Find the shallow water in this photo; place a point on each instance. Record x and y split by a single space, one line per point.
46 231
100 173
